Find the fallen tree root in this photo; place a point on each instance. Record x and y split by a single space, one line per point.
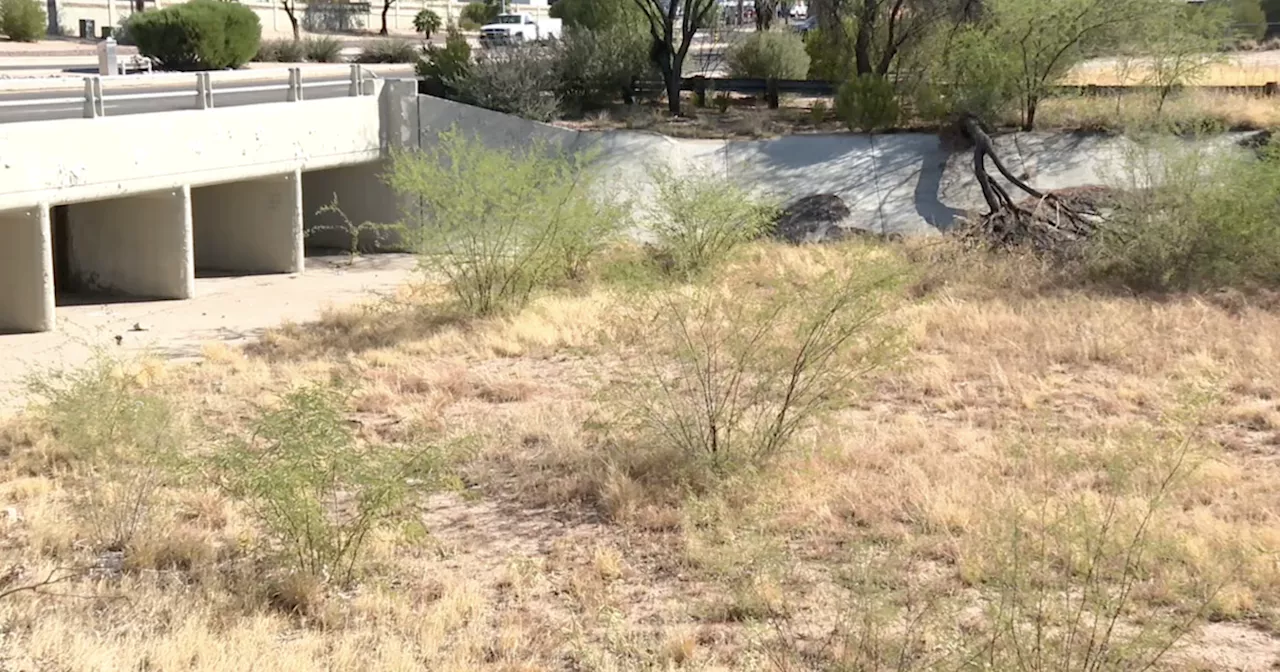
1044 222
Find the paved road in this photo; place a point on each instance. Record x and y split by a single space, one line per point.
68 103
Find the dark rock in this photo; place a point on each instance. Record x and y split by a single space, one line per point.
820 218
813 219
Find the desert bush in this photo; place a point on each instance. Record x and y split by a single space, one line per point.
868 103
594 66
725 380
698 218
519 80
120 440
973 74
1062 569
280 51
1193 219
480 13
443 68
394 50
426 22
199 35
124 32
322 49
830 54
318 491
500 224
23 20
769 55
601 16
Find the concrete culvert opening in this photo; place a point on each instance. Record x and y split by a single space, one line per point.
368 206
247 227
130 248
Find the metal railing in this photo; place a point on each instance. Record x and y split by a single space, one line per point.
204 95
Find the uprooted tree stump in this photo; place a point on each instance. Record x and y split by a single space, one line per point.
1043 222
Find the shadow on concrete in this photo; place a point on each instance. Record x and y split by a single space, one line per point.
62 299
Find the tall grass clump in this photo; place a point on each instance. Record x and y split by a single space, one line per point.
393 50
322 49
117 440
317 490
499 224
1194 219
725 377
769 55
698 218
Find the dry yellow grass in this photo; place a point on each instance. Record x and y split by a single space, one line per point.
1013 396
1247 69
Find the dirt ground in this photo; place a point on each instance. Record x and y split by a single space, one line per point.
229 310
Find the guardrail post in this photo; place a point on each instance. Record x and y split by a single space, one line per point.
357 81
295 84
93 105
204 91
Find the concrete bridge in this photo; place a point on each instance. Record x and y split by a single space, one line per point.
137 205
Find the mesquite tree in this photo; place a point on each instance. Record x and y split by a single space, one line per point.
672 27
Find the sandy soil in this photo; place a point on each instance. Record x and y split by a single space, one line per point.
226 309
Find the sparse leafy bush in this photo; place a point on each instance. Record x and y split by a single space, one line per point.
830 55
595 66
601 16
323 49
394 50
868 103
699 218
199 35
974 74
23 20
480 13
318 491
519 80
280 51
500 224
726 380
769 55
1206 222
426 22
120 440
443 68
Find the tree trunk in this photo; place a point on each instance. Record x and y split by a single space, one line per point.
386 7
293 18
671 74
862 46
1052 225
1029 118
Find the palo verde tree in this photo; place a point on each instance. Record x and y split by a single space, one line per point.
876 34
672 27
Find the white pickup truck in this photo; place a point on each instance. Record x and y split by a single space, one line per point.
518 28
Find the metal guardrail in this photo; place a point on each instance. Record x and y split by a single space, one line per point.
204 95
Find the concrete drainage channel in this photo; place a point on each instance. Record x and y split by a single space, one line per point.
233 191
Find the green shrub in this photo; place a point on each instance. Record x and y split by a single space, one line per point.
468 24
699 218
124 32
601 16
519 80
480 13
394 50
280 51
23 20
1209 222
595 66
769 55
316 489
974 74
119 440
199 35
868 103
724 380
426 22
500 224
830 54
445 67
322 49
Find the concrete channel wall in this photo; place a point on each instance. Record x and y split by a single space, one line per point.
141 205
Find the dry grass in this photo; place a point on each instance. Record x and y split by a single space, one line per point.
1232 70
1014 393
